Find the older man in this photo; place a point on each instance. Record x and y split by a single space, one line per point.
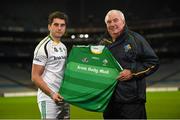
138 60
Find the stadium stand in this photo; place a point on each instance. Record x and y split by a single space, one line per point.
15 77
167 76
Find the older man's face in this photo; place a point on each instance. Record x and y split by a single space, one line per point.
114 24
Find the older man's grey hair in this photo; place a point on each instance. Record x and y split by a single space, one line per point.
114 11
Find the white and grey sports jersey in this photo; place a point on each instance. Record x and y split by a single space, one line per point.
52 57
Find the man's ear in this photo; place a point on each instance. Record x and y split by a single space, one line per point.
49 27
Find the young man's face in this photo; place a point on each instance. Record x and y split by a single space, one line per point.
114 24
57 28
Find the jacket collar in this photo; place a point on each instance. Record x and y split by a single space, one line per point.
123 35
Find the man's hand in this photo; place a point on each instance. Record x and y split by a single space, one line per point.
125 75
56 97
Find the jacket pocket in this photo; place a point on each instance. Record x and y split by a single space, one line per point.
127 90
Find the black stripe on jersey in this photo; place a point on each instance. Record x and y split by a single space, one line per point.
45 49
46 40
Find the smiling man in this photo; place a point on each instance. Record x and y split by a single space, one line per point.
138 61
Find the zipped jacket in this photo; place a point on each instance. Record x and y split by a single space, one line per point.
132 52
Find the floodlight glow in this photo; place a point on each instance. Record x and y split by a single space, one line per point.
73 36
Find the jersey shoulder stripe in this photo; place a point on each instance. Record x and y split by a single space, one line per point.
41 44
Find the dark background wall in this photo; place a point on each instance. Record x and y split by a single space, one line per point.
83 13
24 23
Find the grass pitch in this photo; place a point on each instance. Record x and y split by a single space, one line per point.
160 105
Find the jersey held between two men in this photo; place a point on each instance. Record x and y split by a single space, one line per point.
90 77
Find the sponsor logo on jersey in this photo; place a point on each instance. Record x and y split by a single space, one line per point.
59 57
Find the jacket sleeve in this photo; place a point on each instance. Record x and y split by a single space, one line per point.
146 61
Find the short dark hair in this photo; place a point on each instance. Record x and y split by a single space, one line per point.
57 14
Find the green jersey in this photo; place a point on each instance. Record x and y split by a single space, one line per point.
90 77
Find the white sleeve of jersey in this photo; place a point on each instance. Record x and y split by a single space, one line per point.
40 57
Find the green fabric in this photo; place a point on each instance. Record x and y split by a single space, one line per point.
89 79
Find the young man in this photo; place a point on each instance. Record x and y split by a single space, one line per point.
138 60
48 69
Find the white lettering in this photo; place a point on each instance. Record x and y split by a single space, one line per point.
81 68
104 71
93 70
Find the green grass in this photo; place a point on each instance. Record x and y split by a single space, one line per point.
159 105
18 107
163 105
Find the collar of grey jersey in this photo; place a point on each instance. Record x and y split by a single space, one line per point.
49 36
